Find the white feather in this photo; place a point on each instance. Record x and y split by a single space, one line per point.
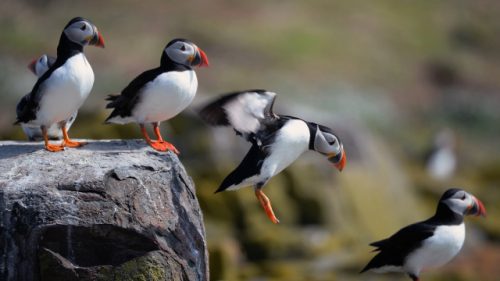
163 98
65 91
438 249
292 140
247 110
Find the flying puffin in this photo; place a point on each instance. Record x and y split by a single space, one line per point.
160 93
39 66
63 88
430 243
277 140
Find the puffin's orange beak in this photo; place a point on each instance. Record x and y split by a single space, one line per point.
338 160
200 59
477 208
97 40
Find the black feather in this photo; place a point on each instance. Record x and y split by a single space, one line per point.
249 166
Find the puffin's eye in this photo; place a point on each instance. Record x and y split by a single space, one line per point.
83 27
183 48
463 197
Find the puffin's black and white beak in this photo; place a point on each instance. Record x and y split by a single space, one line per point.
338 160
97 39
199 59
476 208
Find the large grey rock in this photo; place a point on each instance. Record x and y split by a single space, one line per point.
112 210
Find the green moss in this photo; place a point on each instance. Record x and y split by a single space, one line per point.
145 268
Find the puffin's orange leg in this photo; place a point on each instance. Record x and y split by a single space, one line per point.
48 146
162 143
266 204
67 142
145 134
157 145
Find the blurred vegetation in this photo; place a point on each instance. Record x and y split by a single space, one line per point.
386 75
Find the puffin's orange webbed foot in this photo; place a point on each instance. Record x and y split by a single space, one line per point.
70 143
54 147
164 146
266 204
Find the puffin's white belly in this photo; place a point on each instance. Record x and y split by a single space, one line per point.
438 249
65 91
166 96
292 140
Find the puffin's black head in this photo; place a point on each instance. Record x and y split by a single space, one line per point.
327 143
82 32
462 203
184 52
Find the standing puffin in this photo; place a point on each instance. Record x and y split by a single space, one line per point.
441 160
430 243
63 88
160 93
39 66
277 140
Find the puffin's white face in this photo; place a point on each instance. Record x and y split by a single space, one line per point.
186 53
464 203
328 144
84 33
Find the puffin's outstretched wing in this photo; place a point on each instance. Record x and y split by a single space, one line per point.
393 250
248 112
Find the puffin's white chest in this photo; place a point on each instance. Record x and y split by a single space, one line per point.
166 96
438 249
65 90
291 141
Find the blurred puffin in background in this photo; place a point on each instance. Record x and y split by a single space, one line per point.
64 86
160 93
277 140
430 243
441 160
39 66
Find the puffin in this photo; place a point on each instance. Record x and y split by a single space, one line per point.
442 159
430 243
277 140
160 93
66 84
39 66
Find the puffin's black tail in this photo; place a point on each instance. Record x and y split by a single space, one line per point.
112 99
249 167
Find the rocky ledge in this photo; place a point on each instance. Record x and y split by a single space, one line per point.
111 210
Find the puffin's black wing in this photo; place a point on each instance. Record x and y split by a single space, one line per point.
249 166
28 105
395 249
124 103
247 112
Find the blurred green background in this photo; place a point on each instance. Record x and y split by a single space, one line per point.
390 77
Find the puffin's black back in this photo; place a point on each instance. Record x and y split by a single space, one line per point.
395 249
